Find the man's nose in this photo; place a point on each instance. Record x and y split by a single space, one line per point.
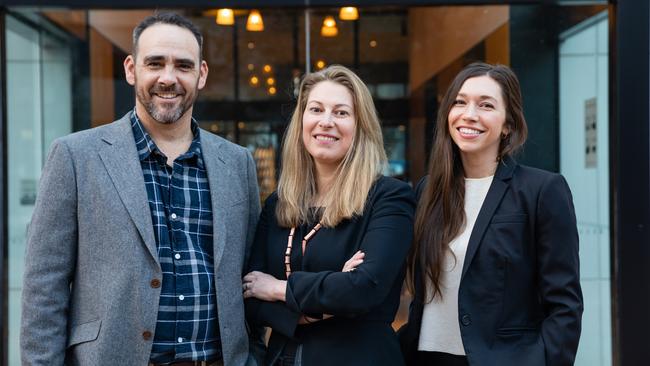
168 75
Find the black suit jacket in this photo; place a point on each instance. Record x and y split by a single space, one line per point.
519 301
363 302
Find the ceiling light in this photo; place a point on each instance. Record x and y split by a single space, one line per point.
348 13
225 17
255 23
329 27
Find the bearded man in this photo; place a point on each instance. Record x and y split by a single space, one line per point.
142 226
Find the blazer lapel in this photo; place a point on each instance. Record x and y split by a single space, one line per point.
218 177
120 157
492 201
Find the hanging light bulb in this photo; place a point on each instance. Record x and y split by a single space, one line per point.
254 81
255 23
348 13
320 64
225 17
329 27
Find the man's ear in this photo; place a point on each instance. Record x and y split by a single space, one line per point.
129 69
203 74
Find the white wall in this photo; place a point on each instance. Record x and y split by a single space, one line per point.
583 76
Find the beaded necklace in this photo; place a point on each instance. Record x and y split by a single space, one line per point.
287 253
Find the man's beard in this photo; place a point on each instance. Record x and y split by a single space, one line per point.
166 115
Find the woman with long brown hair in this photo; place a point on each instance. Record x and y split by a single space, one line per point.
494 267
327 263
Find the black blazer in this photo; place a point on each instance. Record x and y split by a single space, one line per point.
363 302
519 301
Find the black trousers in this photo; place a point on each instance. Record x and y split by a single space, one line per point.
424 358
290 355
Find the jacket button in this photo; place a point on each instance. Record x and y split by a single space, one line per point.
466 320
155 283
146 335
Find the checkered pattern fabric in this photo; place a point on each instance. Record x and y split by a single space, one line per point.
181 211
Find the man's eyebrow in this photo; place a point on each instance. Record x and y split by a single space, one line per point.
186 61
153 58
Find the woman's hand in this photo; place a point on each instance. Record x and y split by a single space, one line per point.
264 287
353 262
304 319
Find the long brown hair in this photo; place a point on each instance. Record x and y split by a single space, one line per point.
362 164
440 214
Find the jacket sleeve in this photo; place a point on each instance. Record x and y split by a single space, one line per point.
51 251
255 333
559 271
385 243
275 315
254 206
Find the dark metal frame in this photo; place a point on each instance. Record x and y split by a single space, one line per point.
129 4
630 182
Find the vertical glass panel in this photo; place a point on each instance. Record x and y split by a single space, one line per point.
38 111
584 161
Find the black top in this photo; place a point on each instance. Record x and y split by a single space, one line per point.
363 302
519 300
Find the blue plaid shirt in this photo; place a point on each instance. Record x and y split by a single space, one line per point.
179 199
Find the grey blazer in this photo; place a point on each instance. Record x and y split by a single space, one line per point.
88 296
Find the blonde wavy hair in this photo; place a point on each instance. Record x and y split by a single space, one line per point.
362 165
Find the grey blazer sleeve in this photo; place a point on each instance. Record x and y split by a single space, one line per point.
255 333
50 262
254 206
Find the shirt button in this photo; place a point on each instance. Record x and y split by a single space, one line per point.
155 283
173 216
466 320
181 297
180 339
177 256
146 335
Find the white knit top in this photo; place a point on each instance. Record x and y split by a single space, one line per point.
440 331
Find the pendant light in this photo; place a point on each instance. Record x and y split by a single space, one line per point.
225 17
349 13
329 28
255 23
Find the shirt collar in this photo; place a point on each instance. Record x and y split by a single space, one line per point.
147 146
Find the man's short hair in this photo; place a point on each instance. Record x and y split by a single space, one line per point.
167 18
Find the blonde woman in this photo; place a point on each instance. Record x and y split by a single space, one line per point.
328 260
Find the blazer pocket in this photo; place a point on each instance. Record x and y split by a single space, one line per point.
84 332
509 218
